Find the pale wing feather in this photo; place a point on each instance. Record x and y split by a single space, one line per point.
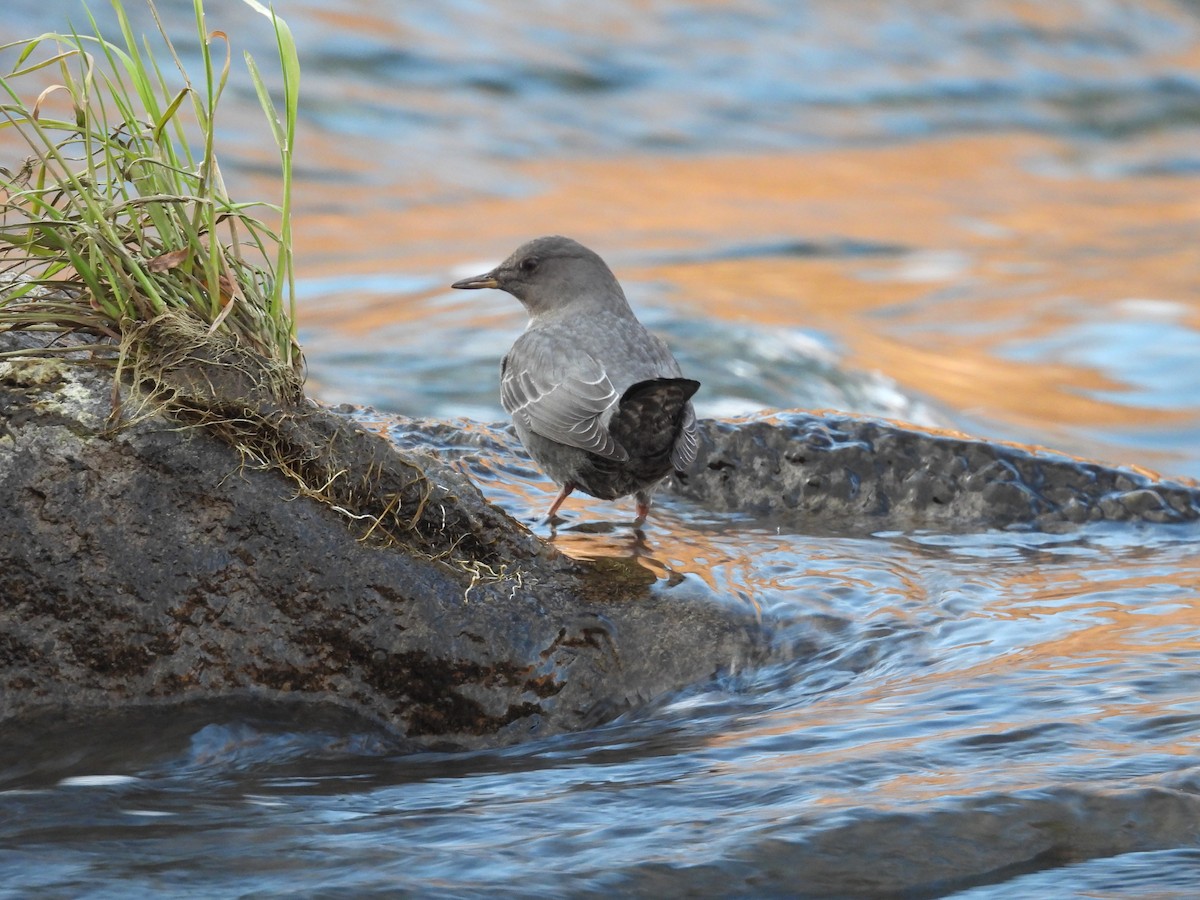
563 400
684 452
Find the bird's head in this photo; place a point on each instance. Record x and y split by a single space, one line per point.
551 273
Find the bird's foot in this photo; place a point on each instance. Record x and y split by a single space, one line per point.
552 520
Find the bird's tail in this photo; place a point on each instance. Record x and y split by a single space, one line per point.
651 415
669 393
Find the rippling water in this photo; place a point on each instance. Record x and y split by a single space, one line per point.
977 215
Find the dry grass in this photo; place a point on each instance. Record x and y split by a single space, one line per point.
110 221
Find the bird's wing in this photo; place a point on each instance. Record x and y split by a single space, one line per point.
559 396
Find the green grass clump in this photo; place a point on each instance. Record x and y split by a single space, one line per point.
118 214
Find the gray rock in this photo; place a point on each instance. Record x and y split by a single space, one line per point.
841 473
151 564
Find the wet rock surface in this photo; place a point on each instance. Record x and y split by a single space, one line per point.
153 564
808 472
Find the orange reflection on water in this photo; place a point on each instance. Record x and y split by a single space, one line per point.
981 244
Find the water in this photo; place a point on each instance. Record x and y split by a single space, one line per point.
979 215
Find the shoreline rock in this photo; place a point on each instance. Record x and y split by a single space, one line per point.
152 564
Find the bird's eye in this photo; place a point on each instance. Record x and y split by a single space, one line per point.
529 264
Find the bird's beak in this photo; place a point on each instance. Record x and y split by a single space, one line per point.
486 280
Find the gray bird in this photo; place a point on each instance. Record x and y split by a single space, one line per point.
597 400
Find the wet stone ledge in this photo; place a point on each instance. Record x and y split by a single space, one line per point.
814 473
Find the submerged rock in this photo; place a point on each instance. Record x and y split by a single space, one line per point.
171 560
807 472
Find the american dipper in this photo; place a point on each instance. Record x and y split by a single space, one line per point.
596 399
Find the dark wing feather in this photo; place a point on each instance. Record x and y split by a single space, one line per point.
560 398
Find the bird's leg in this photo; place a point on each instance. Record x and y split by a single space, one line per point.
643 509
562 495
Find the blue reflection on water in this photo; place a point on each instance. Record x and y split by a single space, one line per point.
1148 347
